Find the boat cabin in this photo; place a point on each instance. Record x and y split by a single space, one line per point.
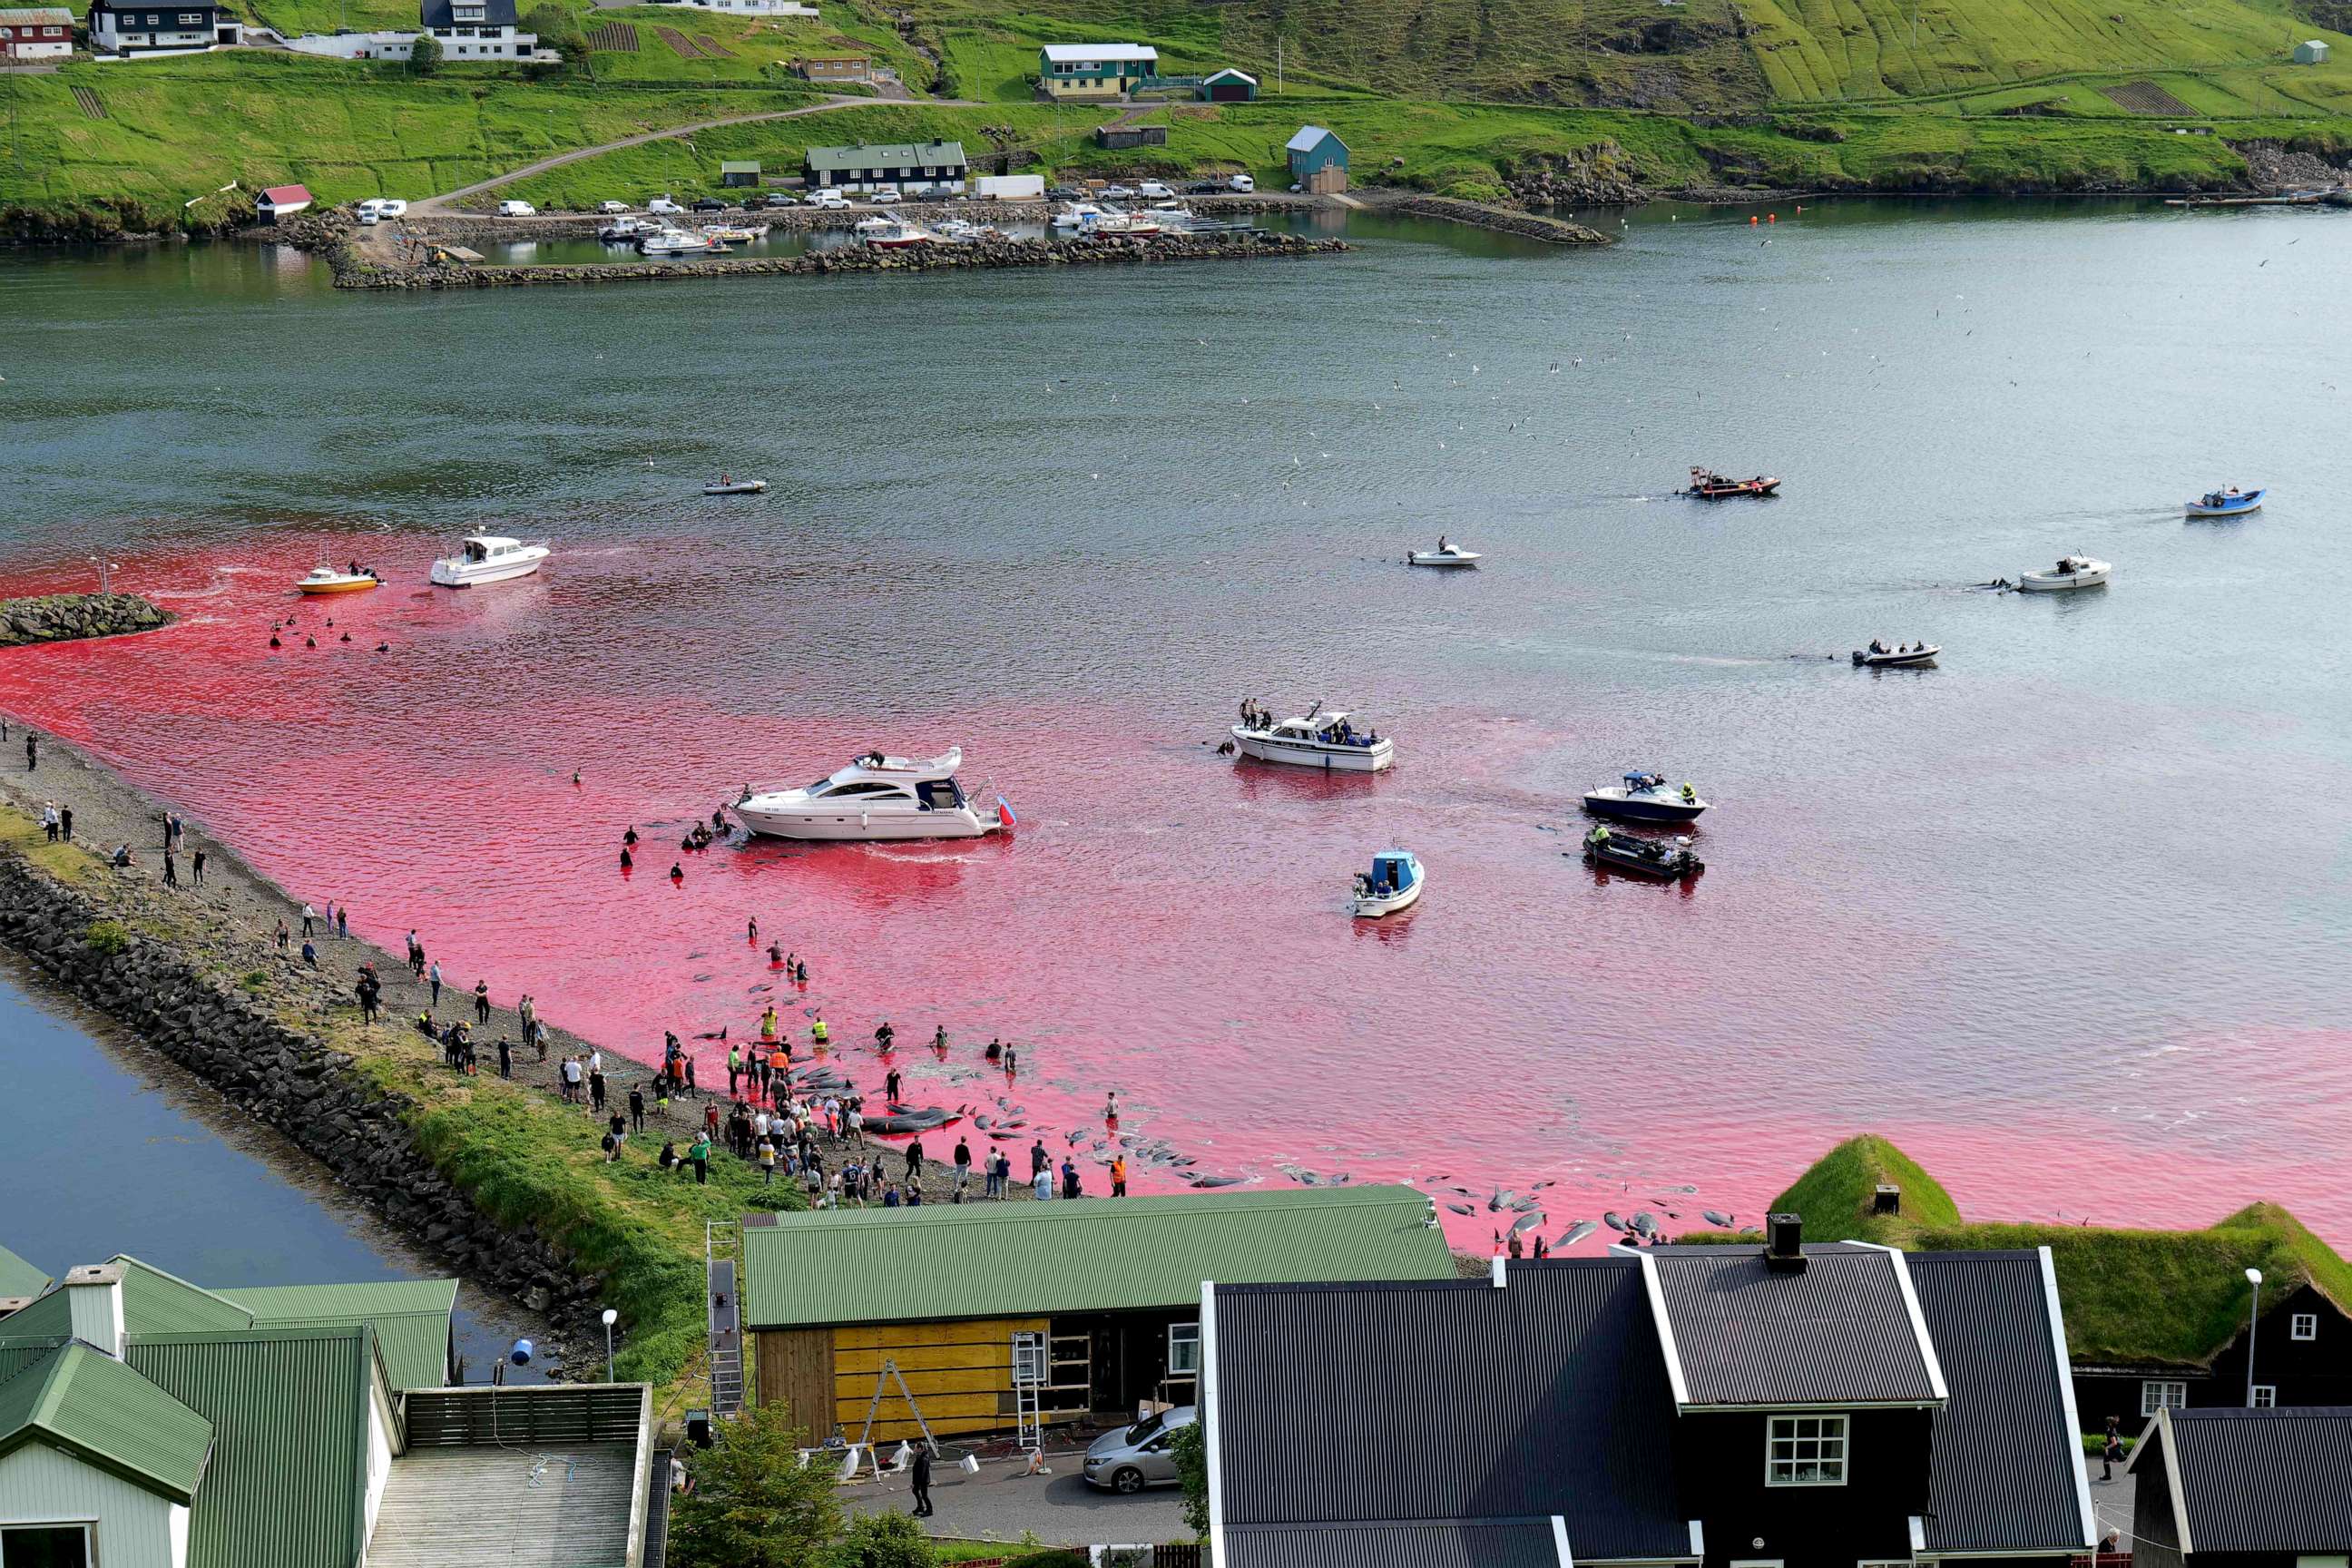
1394 870
481 548
1330 729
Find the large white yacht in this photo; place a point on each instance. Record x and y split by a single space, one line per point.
1315 740
489 558
876 797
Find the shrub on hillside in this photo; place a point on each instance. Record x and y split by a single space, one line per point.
106 938
425 58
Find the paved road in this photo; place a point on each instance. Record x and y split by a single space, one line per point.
436 203
1001 1503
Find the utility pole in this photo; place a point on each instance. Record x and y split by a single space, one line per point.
106 570
1278 62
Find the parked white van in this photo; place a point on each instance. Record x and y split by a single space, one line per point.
827 197
517 210
1243 183
1153 190
662 206
375 209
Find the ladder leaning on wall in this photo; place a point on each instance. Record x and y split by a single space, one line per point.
1030 1367
722 1300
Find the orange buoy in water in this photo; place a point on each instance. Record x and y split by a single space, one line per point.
1752 218
1771 217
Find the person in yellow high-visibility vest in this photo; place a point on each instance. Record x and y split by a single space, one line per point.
817 1030
768 1025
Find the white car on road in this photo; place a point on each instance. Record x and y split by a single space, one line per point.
378 208
1241 184
610 207
883 198
827 197
1153 190
517 210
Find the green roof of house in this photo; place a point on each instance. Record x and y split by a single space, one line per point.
887 155
154 1302
287 1485
942 1261
18 1277
411 1319
93 1406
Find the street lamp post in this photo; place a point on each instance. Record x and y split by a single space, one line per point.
610 1317
2253 1322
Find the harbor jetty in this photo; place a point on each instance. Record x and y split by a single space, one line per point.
70 618
1501 220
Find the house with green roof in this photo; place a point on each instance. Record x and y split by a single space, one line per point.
146 1422
19 1282
2156 1319
915 166
1097 1301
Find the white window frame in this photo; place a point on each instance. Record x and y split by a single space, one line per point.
1186 1335
2265 1395
2303 1326
89 1528
2163 1388
1825 1431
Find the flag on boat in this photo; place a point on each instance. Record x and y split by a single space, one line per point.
1005 807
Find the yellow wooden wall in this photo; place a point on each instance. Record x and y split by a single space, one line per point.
961 1373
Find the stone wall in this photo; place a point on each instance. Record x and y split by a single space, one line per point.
289 1081
1502 220
65 617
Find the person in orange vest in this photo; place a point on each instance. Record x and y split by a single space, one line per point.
1118 1176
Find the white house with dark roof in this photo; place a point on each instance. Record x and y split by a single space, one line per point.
117 27
1783 1407
475 30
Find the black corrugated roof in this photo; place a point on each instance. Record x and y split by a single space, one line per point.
443 14
1836 1333
1381 1404
1450 1545
2265 1480
2002 1472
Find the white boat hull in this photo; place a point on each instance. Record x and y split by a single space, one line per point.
469 575
2051 583
1448 559
1323 754
835 825
1373 909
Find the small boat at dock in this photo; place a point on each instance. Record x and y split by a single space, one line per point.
1641 857
1708 484
893 234
672 242
723 486
736 232
2229 502
1313 740
1645 797
1393 883
2071 572
1878 656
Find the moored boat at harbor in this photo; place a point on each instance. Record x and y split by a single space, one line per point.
1393 883
672 242
2071 572
1708 484
2229 502
1641 857
1645 797
876 797
1315 740
489 558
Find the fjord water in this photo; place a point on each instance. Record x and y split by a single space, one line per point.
2067 916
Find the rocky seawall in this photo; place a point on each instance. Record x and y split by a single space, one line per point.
284 1078
350 273
1502 220
68 617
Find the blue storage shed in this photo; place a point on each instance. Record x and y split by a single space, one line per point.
1319 159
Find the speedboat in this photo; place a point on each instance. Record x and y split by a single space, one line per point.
630 228
1313 740
875 797
1645 797
723 486
894 233
1447 556
672 242
326 579
1880 657
737 232
1392 884
1641 857
1708 484
2229 502
489 558
2071 572
1114 224
1074 215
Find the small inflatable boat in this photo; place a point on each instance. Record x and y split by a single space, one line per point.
1886 658
727 486
1641 857
2231 502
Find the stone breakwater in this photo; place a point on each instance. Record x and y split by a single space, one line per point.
284 1078
67 618
1502 220
352 273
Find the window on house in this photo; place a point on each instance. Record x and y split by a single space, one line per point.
2265 1395
1805 1451
1183 1349
2303 1326
45 1546
2156 1395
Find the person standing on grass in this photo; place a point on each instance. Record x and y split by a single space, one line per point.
506 1058
618 1125
368 990
65 824
49 820
171 869
636 1108
596 1087
481 1001
571 1077
767 1163
699 1153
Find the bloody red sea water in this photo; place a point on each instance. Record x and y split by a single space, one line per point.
1162 922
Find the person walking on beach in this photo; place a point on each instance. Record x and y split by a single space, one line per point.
1039 1161
572 1080
481 1001
65 825
1043 1185
734 1068
416 961
637 1108
1070 1188
962 1164
283 935
368 990
596 1087
32 752
171 869
914 1159
308 916
197 866
309 955
343 921
436 983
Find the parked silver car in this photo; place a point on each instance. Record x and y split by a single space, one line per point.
1143 1455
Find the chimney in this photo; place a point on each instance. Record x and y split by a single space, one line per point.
94 1300
1886 1199
1784 1242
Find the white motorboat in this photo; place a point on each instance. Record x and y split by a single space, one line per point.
1114 224
1878 656
723 486
1447 556
489 558
1393 883
1075 216
672 242
737 232
629 228
894 233
2071 572
876 797
2228 503
327 579
1313 740
1645 797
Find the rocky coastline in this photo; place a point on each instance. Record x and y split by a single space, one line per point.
70 618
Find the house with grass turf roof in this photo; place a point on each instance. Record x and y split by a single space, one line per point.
149 1423
2156 1319
885 1313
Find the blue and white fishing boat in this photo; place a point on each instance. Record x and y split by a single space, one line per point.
1645 797
2229 502
1393 883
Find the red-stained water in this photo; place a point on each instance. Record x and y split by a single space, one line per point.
2014 912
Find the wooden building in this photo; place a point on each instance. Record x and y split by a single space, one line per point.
739 175
1229 86
275 202
840 1306
1319 161
834 68
895 166
1123 138
2243 1489
1728 1406
37 33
